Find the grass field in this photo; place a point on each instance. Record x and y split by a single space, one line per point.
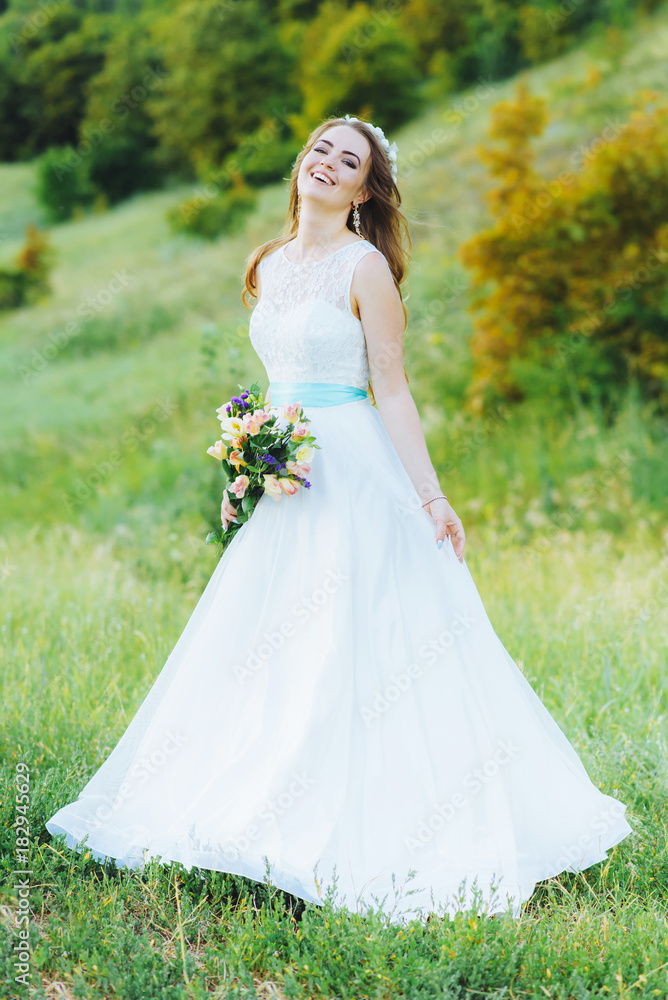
107 494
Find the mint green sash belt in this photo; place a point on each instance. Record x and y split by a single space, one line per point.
314 393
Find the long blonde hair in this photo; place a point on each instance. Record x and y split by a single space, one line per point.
381 221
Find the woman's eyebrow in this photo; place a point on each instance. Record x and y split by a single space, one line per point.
349 151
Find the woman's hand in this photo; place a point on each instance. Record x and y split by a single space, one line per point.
447 523
228 511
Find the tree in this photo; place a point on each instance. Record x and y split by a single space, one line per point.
227 73
53 68
358 61
116 133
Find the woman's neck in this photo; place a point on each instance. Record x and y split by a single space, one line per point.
319 233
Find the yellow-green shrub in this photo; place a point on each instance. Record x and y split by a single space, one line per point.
574 265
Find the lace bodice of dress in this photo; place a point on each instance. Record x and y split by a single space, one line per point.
303 328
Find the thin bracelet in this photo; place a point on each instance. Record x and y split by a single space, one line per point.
441 496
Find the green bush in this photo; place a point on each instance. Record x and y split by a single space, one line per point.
30 279
571 275
64 182
263 162
210 217
13 286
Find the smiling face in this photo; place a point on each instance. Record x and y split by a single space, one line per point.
335 167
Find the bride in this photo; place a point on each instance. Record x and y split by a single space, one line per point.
338 715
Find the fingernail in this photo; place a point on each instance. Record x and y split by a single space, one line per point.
440 542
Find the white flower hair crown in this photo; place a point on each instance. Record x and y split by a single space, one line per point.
390 148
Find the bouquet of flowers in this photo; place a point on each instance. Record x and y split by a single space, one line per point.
262 449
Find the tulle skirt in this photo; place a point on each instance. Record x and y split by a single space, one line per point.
340 714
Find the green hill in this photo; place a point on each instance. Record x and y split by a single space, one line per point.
65 391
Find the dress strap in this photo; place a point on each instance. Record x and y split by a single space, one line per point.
361 251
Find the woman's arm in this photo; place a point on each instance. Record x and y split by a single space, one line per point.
382 317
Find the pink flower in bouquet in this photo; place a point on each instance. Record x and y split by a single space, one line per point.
300 469
271 486
253 421
299 431
289 486
291 412
218 450
239 486
236 459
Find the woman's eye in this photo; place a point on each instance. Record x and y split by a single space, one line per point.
319 149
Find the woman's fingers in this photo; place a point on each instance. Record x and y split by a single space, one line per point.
457 537
454 528
227 512
447 523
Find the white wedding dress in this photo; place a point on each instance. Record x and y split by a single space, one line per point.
338 703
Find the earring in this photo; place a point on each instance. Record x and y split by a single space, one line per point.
299 204
356 220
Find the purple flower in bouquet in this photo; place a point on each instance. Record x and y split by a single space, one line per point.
261 450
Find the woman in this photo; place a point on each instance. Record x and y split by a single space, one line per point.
338 710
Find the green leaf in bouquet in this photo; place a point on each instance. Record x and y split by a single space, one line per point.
247 502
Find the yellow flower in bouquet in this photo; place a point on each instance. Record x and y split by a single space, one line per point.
232 427
218 450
